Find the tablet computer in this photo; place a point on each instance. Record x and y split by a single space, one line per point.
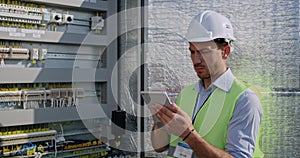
156 97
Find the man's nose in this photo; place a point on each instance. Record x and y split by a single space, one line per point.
198 57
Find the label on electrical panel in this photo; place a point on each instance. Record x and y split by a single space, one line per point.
11 29
32 31
17 34
35 35
40 31
26 31
3 29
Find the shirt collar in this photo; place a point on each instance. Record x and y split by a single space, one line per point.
224 82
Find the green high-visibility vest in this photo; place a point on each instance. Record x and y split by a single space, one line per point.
212 120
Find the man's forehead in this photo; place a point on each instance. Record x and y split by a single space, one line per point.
198 45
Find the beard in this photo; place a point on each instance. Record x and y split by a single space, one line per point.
203 73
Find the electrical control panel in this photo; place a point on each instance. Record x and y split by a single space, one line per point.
55 65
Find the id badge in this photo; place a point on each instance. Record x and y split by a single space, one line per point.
183 150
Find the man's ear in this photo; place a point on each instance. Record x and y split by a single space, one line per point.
226 52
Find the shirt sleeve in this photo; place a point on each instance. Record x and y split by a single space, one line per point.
243 126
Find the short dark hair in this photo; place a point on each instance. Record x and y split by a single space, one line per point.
221 42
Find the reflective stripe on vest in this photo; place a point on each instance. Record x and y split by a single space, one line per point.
213 118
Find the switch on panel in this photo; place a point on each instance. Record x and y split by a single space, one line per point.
97 23
67 18
56 18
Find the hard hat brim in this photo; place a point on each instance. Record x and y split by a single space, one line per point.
207 39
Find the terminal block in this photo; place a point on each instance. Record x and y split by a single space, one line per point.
15 53
34 55
43 54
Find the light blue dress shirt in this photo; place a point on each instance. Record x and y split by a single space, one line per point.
244 124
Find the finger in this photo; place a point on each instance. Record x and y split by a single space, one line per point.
158 116
156 107
163 109
167 111
163 118
174 107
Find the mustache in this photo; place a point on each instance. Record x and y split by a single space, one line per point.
198 65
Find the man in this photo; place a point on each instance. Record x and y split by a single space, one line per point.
218 116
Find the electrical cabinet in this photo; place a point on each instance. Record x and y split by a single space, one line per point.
56 60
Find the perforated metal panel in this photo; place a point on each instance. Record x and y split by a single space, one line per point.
266 54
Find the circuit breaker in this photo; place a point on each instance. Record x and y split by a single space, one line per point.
55 77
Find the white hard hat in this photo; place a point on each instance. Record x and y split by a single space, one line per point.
208 26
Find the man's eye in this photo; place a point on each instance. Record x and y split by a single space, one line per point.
204 51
